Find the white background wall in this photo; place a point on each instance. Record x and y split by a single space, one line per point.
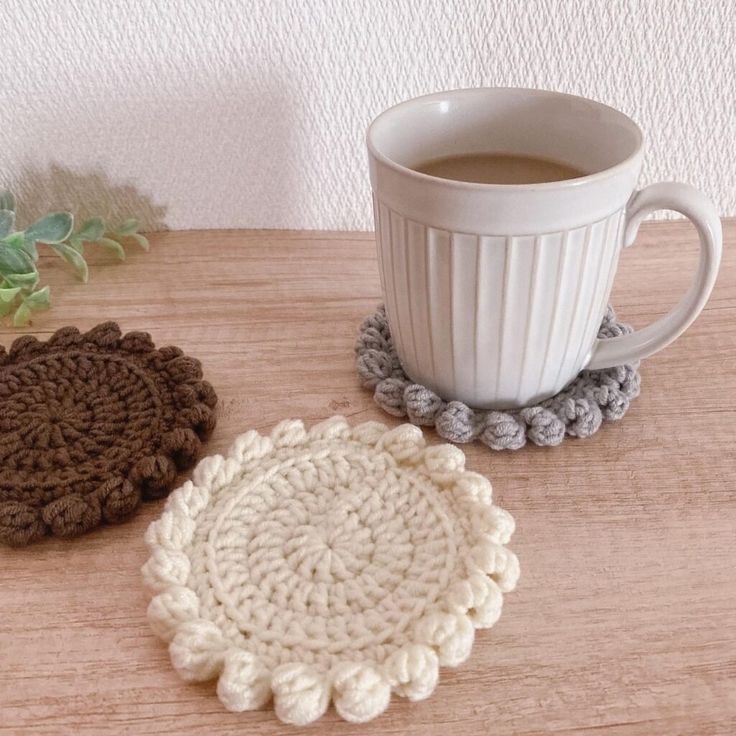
219 113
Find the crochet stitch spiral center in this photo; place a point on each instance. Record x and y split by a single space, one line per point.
334 541
94 405
336 563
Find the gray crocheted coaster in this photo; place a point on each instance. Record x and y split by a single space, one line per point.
578 410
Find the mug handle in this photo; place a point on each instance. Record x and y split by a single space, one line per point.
700 210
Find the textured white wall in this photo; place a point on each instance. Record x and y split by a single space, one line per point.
222 113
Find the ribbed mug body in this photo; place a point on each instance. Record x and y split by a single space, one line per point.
495 320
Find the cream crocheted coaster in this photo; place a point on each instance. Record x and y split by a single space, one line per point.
334 564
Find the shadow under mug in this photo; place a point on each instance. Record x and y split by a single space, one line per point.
494 293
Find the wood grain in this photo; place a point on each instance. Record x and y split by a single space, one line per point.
624 619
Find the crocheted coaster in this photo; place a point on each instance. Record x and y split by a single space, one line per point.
336 564
89 424
578 410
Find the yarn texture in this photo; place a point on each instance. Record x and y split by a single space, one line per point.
336 564
577 411
90 424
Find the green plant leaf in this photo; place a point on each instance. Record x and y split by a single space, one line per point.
142 240
9 294
73 258
92 229
51 229
23 280
38 299
15 240
114 246
18 240
30 247
7 220
77 244
15 260
7 200
22 315
128 227
6 308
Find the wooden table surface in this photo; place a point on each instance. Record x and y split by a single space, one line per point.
624 621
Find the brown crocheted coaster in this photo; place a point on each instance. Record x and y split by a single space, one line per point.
90 424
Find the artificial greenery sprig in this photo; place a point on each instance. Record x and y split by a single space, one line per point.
19 274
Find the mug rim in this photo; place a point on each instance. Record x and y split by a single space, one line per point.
481 186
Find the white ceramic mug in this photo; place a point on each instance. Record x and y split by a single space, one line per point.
494 293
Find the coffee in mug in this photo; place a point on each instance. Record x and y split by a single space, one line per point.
498 168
